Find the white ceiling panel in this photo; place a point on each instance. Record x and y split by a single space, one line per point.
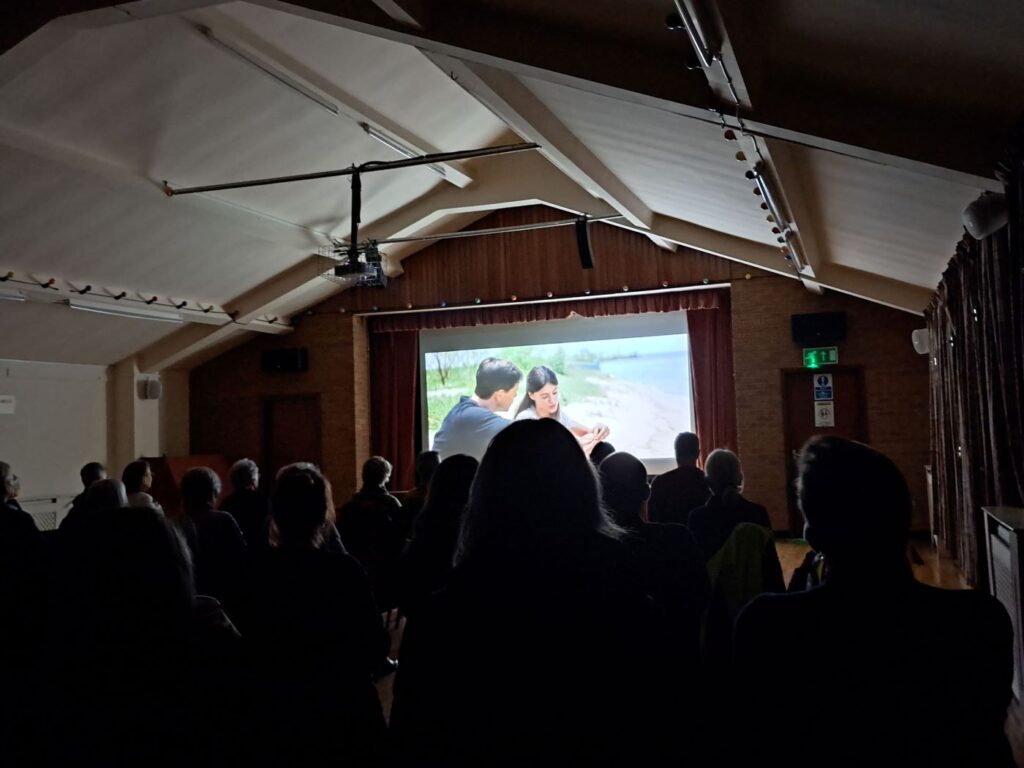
885 220
395 80
73 225
158 97
679 167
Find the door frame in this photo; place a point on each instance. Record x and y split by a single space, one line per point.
858 371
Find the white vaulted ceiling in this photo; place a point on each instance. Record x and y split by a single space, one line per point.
885 220
678 166
879 123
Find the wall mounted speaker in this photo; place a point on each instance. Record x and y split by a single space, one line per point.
583 244
288 360
986 215
919 338
150 389
819 328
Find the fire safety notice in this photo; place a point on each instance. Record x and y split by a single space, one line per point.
824 414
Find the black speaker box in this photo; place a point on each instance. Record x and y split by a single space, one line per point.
819 328
289 360
583 244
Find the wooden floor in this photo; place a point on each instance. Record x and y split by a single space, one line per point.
928 567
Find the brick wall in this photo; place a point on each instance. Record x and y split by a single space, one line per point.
227 395
878 339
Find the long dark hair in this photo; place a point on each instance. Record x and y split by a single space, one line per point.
437 524
538 378
534 496
301 506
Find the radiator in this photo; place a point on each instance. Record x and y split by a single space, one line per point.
47 511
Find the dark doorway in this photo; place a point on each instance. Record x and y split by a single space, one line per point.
800 407
291 431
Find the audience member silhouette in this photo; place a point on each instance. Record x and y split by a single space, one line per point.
213 537
137 478
89 474
712 523
412 501
249 507
118 652
100 497
23 582
539 569
371 532
600 452
314 637
92 472
426 562
665 554
902 673
676 492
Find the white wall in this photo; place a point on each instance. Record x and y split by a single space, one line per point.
174 414
142 427
66 415
59 424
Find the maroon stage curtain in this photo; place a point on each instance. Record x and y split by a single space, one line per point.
395 402
714 390
394 357
976 332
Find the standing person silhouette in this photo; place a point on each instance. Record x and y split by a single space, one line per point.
906 674
539 564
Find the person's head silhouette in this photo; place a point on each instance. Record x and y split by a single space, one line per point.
301 504
625 487
687 448
535 493
105 495
856 505
450 484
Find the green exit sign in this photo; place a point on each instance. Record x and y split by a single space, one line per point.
819 356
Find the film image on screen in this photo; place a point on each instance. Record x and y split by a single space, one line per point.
637 385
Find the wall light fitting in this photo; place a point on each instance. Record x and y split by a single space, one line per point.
698 38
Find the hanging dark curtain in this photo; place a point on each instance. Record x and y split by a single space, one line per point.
626 304
714 391
394 359
395 402
976 330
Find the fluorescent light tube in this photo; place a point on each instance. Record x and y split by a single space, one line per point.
207 318
128 312
393 143
12 294
267 69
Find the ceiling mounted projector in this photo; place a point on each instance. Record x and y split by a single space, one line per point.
364 263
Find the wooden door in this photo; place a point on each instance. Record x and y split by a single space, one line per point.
850 416
291 432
